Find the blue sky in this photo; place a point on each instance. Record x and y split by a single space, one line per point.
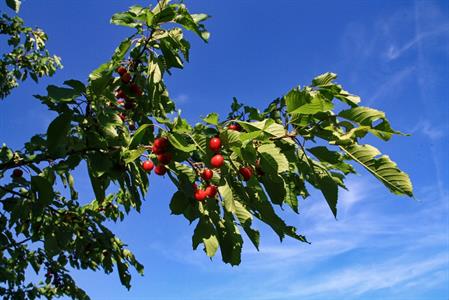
394 54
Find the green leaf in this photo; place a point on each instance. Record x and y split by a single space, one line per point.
99 186
333 159
44 190
383 168
186 171
99 163
245 219
294 99
324 79
62 94
191 213
58 133
205 233
325 84
242 213
291 191
14 4
131 155
230 240
125 19
77 85
329 189
366 117
211 119
264 211
149 17
163 13
249 153
275 187
181 142
271 159
121 50
317 104
141 136
181 126
63 236
100 77
51 245
171 56
199 17
228 198
125 277
6 153
231 138
155 71
192 22
267 126
210 245
179 203
348 98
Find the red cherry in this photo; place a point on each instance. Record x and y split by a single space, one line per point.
125 77
235 127
165 158
215 144
156 150
17 173
121 70
161 143
122 117
246 172
160 170
207 174
200 195
136 89
129 105
217 161
211 191
148 165
120 94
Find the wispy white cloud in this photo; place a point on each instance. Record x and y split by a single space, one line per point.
182 99
369 249
390 84
386 41
181 251
354 281
394 52
431 131
428 16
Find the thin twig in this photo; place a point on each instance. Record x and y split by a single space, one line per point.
14 192
47 157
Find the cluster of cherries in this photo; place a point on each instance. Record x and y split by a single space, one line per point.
122 99
164 156
216 161
161 148
57 280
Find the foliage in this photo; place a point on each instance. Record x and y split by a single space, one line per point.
28 56
115 121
